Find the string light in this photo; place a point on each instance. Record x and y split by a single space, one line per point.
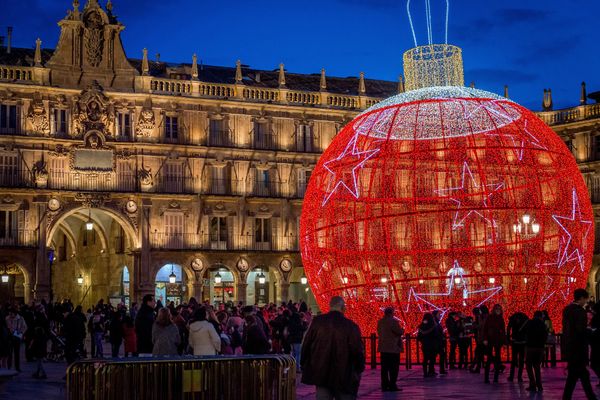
441 177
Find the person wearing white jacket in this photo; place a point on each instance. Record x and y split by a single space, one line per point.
204 339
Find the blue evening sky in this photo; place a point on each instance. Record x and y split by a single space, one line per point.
528 44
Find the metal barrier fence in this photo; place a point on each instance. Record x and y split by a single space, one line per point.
187 378
412 354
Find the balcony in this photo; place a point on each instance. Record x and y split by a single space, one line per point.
175 184
221 138
12 177
19 238
204 241
265 142
266 188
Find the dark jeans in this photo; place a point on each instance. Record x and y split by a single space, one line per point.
115 347
452 355
517 360
15 350
533 359
443 356
578 371
429 362
324 393
463 352
478 357
390 365
492 353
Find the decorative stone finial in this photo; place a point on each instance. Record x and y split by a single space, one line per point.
547 101
361 84
195 67
157 57
145 66
238 72
401 88
472 84
37 58
323 84
281 75
76 5
583 98
109 6
506 91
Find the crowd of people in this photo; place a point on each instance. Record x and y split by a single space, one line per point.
328 348
148 329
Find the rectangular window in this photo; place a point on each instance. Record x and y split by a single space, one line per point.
171 128
173 223
8 118
9 170
60 122
218 135
303 178
219 182
262 230
8 223
218 233
173 178
262 186
262 136
124 125
304 138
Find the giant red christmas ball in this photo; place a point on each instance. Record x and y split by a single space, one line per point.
446 199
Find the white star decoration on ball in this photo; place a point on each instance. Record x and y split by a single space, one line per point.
571 246
484 191
456 280
344 169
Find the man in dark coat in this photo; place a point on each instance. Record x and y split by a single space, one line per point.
74 332
143 325
535 342
333 357
515 332
494 337
389 346
575 345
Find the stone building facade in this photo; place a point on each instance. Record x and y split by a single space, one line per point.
120 175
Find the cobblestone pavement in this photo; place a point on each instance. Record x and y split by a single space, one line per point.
458 385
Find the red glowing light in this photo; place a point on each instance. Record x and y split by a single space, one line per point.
446 203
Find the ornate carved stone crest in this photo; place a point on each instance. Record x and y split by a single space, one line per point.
38 117
60 151
94 200
94 37
93 111
146 122
145 177
40 173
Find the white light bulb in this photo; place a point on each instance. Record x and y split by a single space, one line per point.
525 280
345 279
526 218
421 281
535 227
492 280
457 280
384 279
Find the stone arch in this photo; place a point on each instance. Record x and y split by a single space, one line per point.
128 227
68 233
27 275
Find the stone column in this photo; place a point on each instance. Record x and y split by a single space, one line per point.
198 289
284 291
241 292
145 280
42 271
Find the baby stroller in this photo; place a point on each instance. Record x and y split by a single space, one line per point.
57 350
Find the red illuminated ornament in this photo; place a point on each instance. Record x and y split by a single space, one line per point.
446 198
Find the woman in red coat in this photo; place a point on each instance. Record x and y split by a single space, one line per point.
129 337
494 337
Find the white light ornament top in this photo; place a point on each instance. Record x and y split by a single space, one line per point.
432 64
